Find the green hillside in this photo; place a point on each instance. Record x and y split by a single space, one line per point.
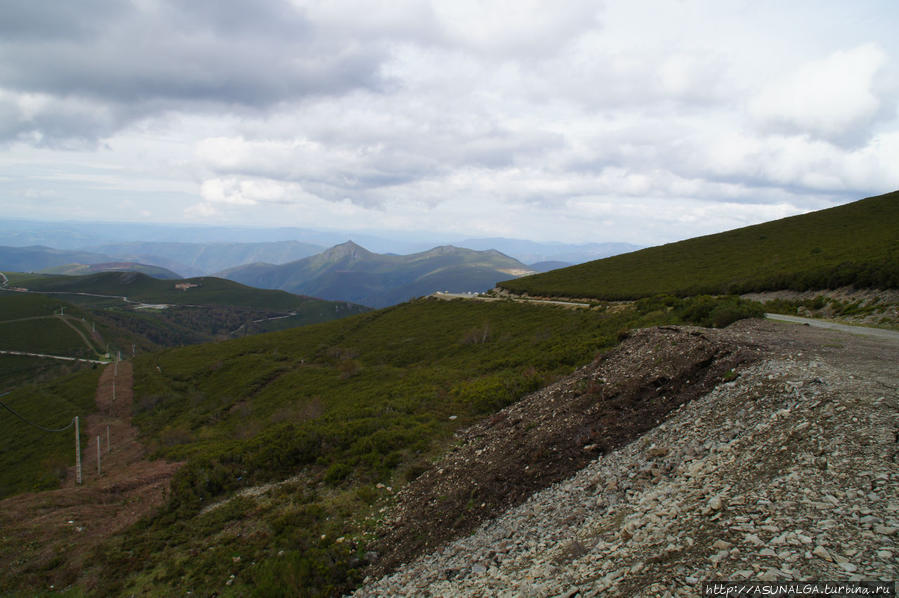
331 411
853 244
348 272
85 269
140 287
34 459
35 323
188 311
38 324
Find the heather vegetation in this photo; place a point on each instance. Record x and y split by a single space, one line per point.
34 459
854 244
341 410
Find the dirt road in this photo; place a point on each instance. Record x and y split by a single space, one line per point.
47 536
860 330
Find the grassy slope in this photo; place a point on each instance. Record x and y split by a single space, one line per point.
50 335
857 243
32 459
348 404
139 287
210 311
46 333
87 269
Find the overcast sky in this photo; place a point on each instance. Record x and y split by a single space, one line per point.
639 121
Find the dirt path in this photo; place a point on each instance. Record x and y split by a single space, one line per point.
860 330
67 321
46 537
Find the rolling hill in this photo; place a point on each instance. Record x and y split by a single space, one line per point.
135 309
348 272
197 259
853 244
84 269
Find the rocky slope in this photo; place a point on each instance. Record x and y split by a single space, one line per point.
784 470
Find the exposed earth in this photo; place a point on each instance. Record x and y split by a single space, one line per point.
787 470
46 537
766 450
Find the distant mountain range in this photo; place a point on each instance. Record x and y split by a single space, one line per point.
198 259
348 272
195 250
37 258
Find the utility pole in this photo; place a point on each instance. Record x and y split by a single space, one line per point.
77 453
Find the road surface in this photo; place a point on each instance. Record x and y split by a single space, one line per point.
44 355
861 330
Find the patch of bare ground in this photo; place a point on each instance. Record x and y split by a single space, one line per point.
786 472
47 536
556 431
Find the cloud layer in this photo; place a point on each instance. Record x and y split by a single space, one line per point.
642 122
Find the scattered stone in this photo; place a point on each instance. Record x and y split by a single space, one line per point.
733 467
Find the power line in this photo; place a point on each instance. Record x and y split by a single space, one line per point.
31 423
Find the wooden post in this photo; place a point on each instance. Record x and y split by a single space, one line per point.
98 456
77 453
107 439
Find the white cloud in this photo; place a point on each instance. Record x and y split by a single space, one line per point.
581 121
837 98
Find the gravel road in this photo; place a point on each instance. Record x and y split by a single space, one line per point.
787 472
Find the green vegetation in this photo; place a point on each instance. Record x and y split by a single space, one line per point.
46 335
29 323
854 244
349 272
32 459
336 410
85 269
140 287
203 310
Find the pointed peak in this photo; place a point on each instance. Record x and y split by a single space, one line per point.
347 249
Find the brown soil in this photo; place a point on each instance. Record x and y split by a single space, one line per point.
46 537
554 432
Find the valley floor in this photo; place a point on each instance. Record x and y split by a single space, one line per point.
787 472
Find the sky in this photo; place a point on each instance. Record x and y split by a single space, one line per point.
643 121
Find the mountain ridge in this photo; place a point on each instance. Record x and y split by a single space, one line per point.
851 244
349 272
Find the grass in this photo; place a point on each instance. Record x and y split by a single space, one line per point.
207 290
51 336
345 406
32 459
854 244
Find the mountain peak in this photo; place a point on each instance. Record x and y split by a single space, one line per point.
347 250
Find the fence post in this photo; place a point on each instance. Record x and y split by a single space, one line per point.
77 453
99 472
